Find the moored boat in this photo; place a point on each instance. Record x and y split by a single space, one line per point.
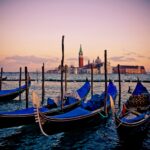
134 117
4 78
7 95
84 115
26 116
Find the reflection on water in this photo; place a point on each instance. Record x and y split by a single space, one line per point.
103 136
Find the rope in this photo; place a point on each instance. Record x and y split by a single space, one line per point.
103 115
112 107
119 125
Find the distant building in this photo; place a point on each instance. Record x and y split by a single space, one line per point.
109 68
130 69
55 71
98 67
80 57
73 70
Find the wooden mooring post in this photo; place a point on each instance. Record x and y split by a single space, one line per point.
66 72
26 83
91 80
106 94
62 71
20 76
43 80
1 78
119 82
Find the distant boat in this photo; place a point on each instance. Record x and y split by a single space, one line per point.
26 116
86 114
4 78
129 90
7 95
134 117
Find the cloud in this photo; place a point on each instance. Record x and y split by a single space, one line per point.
72 59
135 54
141 56
33 62
117 58
130 59
30 59
130 53
122 58
130 56
26 59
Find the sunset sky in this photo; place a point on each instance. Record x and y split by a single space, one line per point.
31 32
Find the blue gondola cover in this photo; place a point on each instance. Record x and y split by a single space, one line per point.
139 89
82 92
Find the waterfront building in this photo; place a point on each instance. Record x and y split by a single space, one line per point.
125 69
98 66
109 68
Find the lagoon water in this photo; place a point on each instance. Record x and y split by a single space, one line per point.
100 137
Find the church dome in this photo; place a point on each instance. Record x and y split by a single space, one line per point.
98 60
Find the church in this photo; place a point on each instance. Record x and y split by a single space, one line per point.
98 65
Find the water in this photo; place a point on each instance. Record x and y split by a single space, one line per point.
101 137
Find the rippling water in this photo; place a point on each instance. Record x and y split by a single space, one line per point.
103 136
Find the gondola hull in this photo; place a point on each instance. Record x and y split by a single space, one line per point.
3 79
12 120
90 113
52 126
134 129
134 117
26 116
8 95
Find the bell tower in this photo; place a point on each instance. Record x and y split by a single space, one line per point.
80 57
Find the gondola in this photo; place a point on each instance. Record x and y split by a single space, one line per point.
134 117
3 79
7 95
84 115
26 116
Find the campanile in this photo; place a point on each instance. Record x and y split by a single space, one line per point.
80 57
